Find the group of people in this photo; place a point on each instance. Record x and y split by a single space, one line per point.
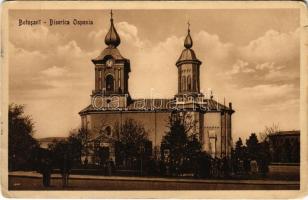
253 167
219 168
47 164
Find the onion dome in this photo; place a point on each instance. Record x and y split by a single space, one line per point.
188 43
112 38
188 54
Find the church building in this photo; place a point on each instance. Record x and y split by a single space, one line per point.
112 104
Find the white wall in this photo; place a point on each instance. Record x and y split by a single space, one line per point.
212 132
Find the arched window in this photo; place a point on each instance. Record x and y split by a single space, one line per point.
108 131
188 83
109 83
183 83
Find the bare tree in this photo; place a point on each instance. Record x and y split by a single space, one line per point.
274 128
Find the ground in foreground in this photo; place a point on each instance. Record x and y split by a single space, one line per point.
35 183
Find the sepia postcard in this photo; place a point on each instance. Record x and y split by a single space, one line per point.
154 99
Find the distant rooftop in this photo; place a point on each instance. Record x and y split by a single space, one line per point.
50 139
44 142
294 132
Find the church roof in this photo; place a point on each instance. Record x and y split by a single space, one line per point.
148 104
188 54
165 105
110 51
214 105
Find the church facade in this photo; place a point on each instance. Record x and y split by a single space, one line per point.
112 104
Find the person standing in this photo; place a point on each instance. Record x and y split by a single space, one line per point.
48 171
65 168
45 166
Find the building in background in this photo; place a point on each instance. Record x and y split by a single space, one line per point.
112 103
285 147
45 142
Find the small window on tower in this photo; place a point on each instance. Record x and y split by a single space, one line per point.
109 83
188 83
108 131
183 83
119 78
100 79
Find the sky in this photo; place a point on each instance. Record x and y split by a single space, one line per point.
250 57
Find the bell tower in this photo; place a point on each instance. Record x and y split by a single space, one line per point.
188 69
111 69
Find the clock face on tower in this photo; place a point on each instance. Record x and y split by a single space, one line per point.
109 63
